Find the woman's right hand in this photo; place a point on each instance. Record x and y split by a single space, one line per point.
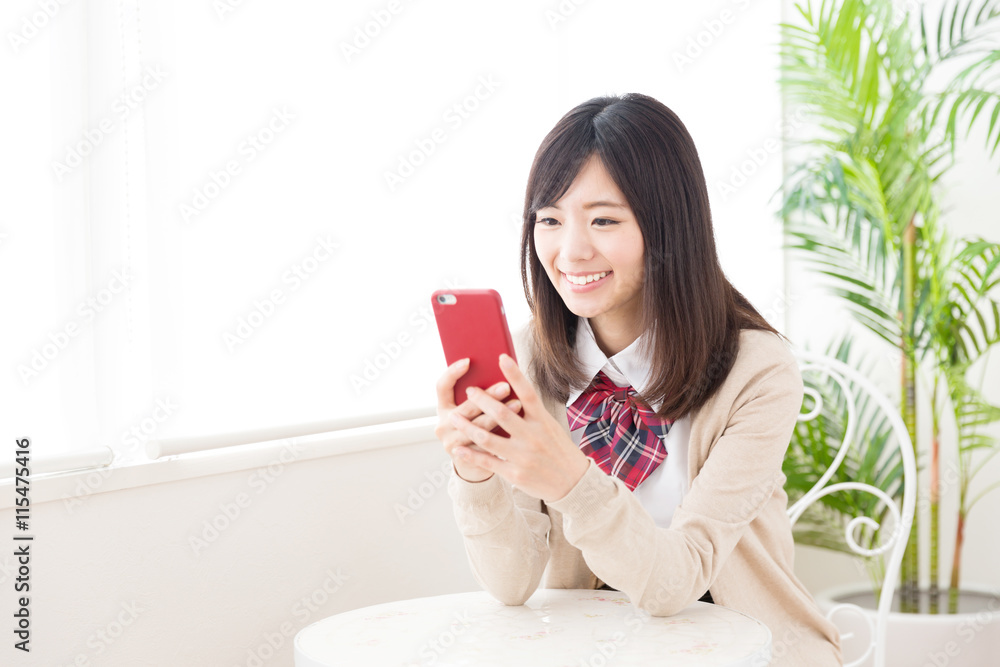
455 441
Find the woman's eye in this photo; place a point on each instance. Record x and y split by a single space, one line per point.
601 222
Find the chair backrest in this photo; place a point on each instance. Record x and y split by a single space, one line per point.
821 372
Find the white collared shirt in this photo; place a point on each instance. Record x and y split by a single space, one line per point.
662 491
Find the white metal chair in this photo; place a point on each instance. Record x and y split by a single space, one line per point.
817 369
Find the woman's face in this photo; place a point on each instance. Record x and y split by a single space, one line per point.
592 232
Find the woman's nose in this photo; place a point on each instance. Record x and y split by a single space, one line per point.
575 243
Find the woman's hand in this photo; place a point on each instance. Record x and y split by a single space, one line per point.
539 457
454 440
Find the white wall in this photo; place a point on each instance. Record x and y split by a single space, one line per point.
329 530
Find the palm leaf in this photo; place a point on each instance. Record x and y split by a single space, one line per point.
879 146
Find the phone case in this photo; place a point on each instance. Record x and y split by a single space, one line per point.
474 326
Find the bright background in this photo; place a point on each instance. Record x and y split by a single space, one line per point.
155 361
200 327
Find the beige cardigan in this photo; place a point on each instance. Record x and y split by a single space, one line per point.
731 534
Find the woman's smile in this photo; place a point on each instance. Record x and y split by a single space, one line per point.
586 282
590 245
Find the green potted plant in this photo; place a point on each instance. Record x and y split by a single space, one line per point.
860 206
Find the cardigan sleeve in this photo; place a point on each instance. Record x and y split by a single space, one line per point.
505 533
663 570
505 530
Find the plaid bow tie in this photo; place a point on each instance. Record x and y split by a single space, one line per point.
623 436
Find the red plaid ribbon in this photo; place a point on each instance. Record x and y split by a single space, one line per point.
623 435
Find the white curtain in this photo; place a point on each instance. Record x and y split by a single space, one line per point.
272 190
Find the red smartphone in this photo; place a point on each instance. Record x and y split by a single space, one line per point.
472 323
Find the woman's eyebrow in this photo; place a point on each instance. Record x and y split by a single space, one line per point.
596 204
592 204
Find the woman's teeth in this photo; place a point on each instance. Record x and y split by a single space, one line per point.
583 280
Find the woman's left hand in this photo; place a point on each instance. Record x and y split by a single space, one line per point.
539 457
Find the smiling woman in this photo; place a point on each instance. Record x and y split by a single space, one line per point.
658 403
600 257
630 161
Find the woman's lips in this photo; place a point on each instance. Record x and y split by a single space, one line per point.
595 284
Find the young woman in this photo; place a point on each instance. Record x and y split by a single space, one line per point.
658 403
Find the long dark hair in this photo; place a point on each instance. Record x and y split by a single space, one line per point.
691 313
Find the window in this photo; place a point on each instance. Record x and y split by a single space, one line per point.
231 215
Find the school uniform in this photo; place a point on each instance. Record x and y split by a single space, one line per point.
695 524
664 488
662 491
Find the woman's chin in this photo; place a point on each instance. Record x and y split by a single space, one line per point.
579 310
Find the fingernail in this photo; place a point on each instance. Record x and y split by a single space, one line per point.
515 405
505 361
501 389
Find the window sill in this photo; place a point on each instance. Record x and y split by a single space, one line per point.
73 486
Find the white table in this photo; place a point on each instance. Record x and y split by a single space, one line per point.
554 628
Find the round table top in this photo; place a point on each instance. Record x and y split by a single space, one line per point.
554 628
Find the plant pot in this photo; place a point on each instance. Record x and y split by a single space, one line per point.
970 638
